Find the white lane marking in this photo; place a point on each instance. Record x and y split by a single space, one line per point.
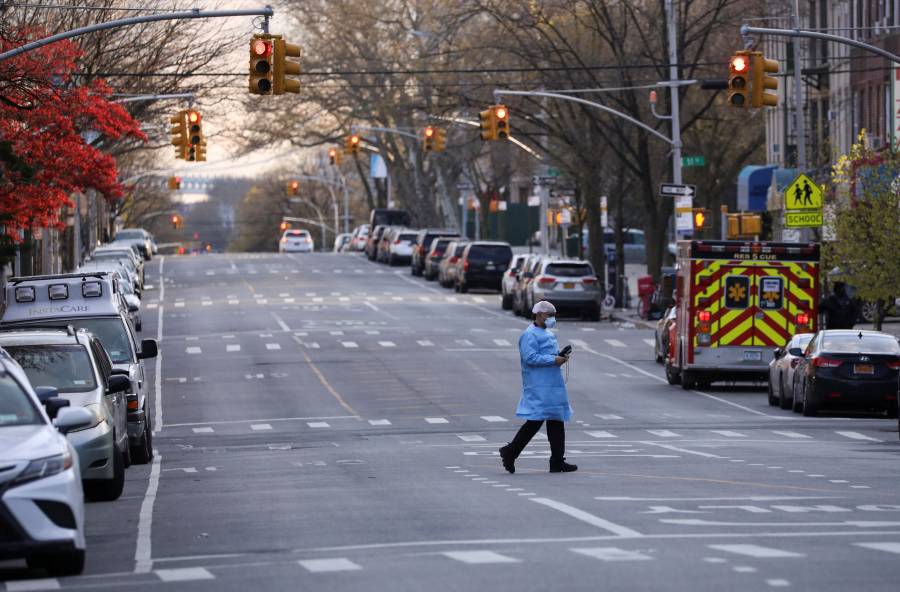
233 347
452 299
311 345
281 323
157 398
273 346
372 332
143 561
425 343
470 438
318 424
203 430
37 584
729 433
436 420
615 343
234 301
328 565
465 342
344 299
379 422
757 551
661 379
179 305
857 436
744 569
790 434
650 342
479 300
336 333
183 574
262 301
611 554
258 427
607 416
478 557
502 342
778 583
261 420
350 344
588 329
397 298
587 517
425 298
193 350
886 547
744 498
599 434
289 301
318 299
387 344
206 303
664 433
493 418
682 450
151 306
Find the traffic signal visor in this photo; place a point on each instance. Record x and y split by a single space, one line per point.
762 82
260 65
284 68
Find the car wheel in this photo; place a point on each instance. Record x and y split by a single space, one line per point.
143 452
673 377
462 287
772 400
63 564
506 302
810 407
109 489
126 454
593 314
783 401
139 326
867 311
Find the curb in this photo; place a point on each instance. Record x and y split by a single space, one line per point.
622 317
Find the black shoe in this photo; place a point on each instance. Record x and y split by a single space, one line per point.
509 461
561 466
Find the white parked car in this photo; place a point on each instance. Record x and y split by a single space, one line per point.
41 501
781 370
341 241
401 247
510 278
360 237
296 241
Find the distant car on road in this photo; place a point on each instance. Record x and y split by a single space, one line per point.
372 241
508 284
422 246
401 247
482 265
341 241
781 370
523 279
570 284
295 241
434 256
450 263
360 234
848 369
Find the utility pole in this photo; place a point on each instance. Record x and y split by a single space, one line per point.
675 106
799 118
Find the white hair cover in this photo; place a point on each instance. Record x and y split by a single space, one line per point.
543 306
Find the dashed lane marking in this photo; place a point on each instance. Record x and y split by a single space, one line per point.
857 436
379 422
318 424
599 434
232 347
183 574
328 565
615 343
204 430
273 346
387 344
350 344
729 433
607 416
479 300
502 342
778 583
37 584
436 420
587 517
664 433
193 350
493 418
425 343
470 438
795 435
611 554
757 551
886 547
258 427
479 557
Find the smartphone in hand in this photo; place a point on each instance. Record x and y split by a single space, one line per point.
566 351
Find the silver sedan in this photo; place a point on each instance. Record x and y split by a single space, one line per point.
781 370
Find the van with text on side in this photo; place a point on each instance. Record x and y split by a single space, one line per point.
737 301
91 301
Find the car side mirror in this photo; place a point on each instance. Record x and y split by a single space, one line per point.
149 349
117 383
796 351
54 404
45 393
72 418
778 352
528 275
132 305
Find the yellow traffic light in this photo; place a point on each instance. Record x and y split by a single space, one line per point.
293 187
352 144
195 138
501 117
488 125
176 221
179 134
439 142
700 216
283 67
739 79
174 183
428 135
284 226
334 157
760 69
261 50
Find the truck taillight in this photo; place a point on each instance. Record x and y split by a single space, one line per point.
704 316
803 319
893 365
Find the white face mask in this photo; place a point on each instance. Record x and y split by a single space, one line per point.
550 322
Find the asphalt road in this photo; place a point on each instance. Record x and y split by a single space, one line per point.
330 424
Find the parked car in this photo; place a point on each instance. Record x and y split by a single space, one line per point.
423 244
434 256
360 234
372 242
341 241
569 284
482 265
91 301
109 251
384 243
401 247
138 236
523 279
848 369
781 370
77 366
132 299
449 262
296 241
508 285
661 338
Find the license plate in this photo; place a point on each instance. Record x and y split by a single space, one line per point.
863 369
752 356
490 266
569 285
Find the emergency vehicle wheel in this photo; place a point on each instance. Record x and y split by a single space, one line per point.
687 380
673 377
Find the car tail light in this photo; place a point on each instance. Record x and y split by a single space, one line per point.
466 265
454 259
893 365
704 316
820 362
544 279
133 405
589 280
397 241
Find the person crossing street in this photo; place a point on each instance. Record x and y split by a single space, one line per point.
544 397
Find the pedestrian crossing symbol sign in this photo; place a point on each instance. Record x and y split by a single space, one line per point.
803 194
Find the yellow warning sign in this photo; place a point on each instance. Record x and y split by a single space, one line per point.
802 219
803 194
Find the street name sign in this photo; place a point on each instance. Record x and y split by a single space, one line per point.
803 194
697 160
671 190
805 219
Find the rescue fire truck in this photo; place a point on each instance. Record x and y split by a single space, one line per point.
736 301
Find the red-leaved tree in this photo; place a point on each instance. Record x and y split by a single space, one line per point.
43 113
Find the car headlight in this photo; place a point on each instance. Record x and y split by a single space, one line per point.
45 467
97 415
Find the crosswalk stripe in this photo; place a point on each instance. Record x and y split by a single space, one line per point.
35 584
476 557
493 418
729 433
436 420
886 547
615 343
179 304
599 434
233 301
318 424
857 436
452 299
349 344
755 551
387 344
206 303
611 554
479 300
311 345
664 433
259 427
425 343
272 346
795 435
233 347
328 565
193 350
650 342
470 437
182 574
607 416
502 342
379 422
206 430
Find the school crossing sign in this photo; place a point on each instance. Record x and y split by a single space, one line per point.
803 203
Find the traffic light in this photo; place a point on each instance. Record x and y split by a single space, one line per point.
174 183
439 142
488 125
283 67
739 79
196 141
293 187
494 123
176 221
700 217
501 116
179 134
261 49
284 226
334 157
760 69
428 135
352 144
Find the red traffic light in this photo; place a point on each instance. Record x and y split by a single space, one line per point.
354 139
429 131
501 113
193 116
739 64
261 48
295 184
332 152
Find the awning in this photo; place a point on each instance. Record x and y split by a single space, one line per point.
753 187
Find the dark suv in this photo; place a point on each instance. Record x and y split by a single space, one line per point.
482 265
423 244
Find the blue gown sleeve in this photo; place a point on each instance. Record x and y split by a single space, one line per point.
530 352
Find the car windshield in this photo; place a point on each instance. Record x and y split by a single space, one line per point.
866 344
123 258
296 233
802 341
517 264
499 254
439 246
113 254
129 235
406 236
66 367
16 407
111 331
569 269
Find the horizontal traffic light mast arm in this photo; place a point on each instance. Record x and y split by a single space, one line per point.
747 30
136 20
551 95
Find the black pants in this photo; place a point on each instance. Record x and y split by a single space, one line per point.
556 433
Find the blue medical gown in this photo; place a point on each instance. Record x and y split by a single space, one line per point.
544 393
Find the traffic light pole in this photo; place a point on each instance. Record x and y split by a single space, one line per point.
195 13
